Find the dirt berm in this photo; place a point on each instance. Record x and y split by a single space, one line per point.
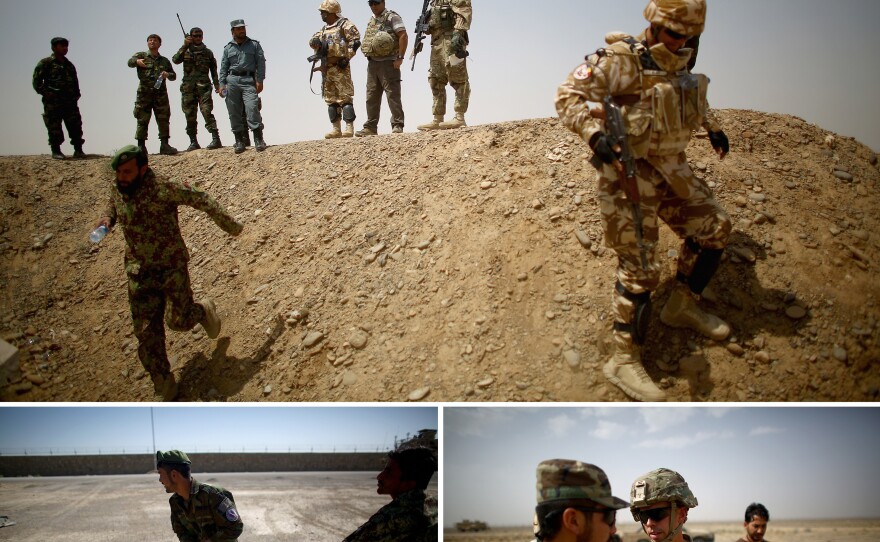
445 267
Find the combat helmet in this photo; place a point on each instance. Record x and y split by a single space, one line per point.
383 44
686 17
660 485
330 6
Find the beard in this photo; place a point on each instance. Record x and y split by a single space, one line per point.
132 186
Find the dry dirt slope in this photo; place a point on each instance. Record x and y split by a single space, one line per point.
445 267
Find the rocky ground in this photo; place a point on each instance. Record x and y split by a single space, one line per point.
450 266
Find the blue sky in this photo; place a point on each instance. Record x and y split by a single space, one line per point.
810 58
210 428
800 462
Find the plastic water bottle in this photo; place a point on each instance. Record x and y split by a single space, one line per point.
98 234
158 84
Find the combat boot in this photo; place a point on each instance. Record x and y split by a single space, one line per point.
349 130
193 144
56 152
457 122
165 148
142 144
215 140
246 138
211 322
433 125
625 371
259 144
239 143
681 310
78 151
165 386
365 132
335 132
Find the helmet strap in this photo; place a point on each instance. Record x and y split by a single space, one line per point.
673 516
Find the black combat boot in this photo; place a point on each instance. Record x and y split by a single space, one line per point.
56 152
246 138
239 143
259 144
78 151
215 140
193 143
142 143
165 148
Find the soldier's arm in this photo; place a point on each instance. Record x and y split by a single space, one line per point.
587 83
38 78
76 92
132 62
183 535
109 211
226 518
463 14
184 194
352 34
213 69
224 67
177 57
261 63
172 75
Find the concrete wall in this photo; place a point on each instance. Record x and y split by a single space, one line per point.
77 465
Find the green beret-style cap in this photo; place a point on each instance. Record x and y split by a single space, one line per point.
123 155
172 456
564 479
236 23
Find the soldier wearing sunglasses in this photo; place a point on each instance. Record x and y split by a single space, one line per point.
574 503
660 501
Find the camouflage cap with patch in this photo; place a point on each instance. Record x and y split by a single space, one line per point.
564 479
236 23
123 155
172 456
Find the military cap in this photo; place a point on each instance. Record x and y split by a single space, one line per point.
172 456
123 155
58 40
565 479
661 485
236 23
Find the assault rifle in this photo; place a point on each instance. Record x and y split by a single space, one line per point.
319 56
616 126
421 28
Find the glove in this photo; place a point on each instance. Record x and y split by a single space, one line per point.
342 63
719 140
315 43
459 42
602 149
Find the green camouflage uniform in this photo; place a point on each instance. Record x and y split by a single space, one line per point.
149 98
411 516
195 90
156 260
58 83
338 87
209 514
448 16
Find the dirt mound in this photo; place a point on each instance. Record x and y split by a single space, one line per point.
445 266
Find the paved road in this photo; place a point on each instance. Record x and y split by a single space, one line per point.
275 507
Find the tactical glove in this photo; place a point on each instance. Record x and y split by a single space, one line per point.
342 63
719 140
602 149
315 43
459 42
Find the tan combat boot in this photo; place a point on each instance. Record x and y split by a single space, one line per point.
457 122
433 125
681 310
625 371
165 386
211 323
349 130
335 132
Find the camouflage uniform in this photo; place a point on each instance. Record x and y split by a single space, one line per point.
149 98
209 514
56 81
338 89
196 87
449 18
156 260
662 104
382 76
411 516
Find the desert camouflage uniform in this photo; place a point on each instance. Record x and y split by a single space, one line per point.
338 87
149 98
195 90
59 80
658 133
448 16
209 514
156 260
411 516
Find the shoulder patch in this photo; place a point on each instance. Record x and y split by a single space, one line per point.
583 72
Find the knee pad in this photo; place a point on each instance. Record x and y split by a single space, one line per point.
348 113
708 260
333 112
638 328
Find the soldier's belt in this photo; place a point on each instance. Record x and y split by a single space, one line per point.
243 73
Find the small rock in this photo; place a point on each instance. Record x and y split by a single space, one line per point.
735 349
843 175
312 338
757 197
583 238
358 339
267 390
795 312
485 383
419 394
349 378
839 354
762 357
572 358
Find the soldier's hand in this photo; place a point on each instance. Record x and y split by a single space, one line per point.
104 221
398 63
342 63
140 63
187 41
720 143
314 43
164 75
603 149
259 86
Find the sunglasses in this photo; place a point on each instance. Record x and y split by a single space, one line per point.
374 2
655 514
609 515
196 35
675 35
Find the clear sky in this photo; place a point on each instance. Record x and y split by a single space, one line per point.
211 428
800 462
811 58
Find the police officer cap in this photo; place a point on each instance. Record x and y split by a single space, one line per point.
56 41
123 155
236 23
565 479
172 456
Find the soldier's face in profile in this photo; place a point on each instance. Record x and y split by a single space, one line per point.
60 49
164 475
672 40
324 15
390 482
756 528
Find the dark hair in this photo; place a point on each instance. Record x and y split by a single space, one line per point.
155 36
418 464
195 29
550 516
757 509
182 468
